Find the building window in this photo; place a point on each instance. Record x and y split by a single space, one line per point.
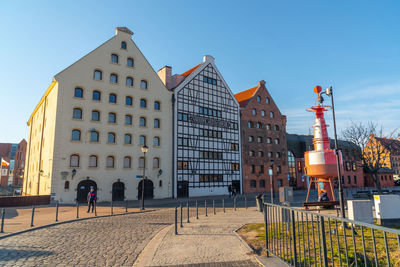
276 141
128 139
252 168
92 161
209 80
110 162
143 84
77 114
271 114
261 169
278 155
142 122
182 165
128 120
250 124
278 170
76 135
129 81
112 117
268 126
254 111
263 113
291 164
269 154
348 179
276 127
142 140
355 179
94 136
259 139
114 58
267 100
129 62
258 99
95 115
157 105
262 183
251 139
143 103
74 160
112 98
156 141
128 101
123 45
251 153
111 138
156 123
113 78
78 92
142 162
253 184
66 185
127 162
98 75
96 96
354 166
235 166
156 163
259 125
260 153
269 140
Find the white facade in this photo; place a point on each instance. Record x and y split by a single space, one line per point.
206 134
60 164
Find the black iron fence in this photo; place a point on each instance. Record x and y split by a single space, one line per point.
303 238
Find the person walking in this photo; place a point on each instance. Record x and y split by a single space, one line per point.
230 190
91 198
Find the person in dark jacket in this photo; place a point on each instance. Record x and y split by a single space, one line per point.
230 190
91 198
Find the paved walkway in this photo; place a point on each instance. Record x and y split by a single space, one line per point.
209 241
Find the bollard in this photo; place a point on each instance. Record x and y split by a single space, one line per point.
57 212
187 207
197 211
214 206
223 204
205 206
245 203
77 210
3 214
95 209
112 207
126 206
181 216
176 220
33 215
234 203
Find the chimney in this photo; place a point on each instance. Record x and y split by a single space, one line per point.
208 58
165 74
123 30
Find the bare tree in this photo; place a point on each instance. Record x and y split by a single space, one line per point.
373 153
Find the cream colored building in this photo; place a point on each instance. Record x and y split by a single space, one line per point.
89 127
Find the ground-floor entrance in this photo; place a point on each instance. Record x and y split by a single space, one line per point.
148 189
83 190
118 191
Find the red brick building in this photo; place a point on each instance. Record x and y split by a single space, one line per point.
263 140
351 170
19 164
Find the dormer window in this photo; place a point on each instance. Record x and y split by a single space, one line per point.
123 45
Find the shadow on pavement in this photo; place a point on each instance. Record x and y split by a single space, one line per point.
15 254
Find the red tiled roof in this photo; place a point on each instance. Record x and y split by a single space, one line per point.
244 97
187 73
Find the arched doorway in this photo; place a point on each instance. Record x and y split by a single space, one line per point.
118 191
148 189
83 190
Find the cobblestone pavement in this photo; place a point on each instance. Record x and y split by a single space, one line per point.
111 241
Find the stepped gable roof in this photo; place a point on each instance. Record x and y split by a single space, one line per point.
188 72
244 97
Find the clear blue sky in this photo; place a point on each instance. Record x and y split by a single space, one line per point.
293 45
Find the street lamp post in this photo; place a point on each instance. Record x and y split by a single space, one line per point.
329 92
144 150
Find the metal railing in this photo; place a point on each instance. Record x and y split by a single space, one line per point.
303 238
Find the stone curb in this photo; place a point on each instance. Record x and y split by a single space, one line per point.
69 221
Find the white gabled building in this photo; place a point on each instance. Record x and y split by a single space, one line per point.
90 125
207 156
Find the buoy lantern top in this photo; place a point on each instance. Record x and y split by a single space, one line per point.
317 89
